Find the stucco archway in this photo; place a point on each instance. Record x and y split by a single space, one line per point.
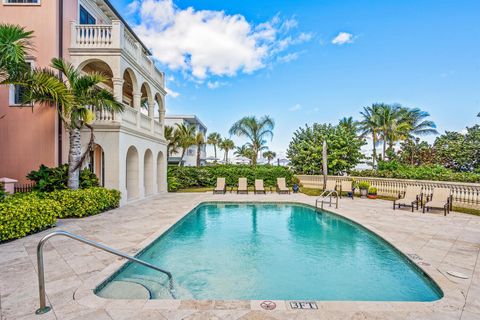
161 172
148 172
132 174
129 87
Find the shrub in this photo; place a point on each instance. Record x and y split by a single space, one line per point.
372 190
426 172
188 177
84 202
363 185
24 214
50 179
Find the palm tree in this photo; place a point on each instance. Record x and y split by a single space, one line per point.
87 97
269 155
15 43
418 125
214 139
199 142
244 151
256 130
349 124
226 145
171 136
370 125
186 138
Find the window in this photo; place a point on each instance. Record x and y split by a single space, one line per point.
21 2
86 17
17 92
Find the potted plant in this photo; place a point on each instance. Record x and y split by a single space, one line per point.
372 193
363 187
295 184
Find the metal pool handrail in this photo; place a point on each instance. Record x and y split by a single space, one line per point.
41 277
328 194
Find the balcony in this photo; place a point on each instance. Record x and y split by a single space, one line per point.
113 39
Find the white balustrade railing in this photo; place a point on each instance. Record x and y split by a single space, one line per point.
130 115
93 36
464 194
102 115
145 122
157 128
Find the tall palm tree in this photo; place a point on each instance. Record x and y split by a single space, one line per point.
199 142
244 151
370 125
214 139
87 97
226 145
348 123
15 43
171 136
256 130
418 125
269 155
186 138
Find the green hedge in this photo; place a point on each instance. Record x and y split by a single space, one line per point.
84 202
188 177
427 172
24 214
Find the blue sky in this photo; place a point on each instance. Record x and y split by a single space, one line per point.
418 53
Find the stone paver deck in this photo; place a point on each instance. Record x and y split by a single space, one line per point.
436 243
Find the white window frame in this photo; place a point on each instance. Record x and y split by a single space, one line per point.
6 3
11 89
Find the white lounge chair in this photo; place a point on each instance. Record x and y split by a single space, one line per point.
347 187
242 185
259 188
331 185
221 187
441 199
282 186
412 197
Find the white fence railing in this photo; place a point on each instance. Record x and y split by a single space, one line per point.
464 194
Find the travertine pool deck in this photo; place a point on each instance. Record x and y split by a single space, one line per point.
436 243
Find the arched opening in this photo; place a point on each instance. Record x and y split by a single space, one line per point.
96 163
161 172
148 172
129 87
146 98
132 174
159 106
99 66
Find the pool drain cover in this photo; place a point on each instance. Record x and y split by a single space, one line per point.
268 305
457 274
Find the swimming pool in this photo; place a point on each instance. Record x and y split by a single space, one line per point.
257 251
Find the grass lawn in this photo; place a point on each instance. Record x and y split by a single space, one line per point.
196 189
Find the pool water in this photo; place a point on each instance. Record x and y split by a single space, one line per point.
255 251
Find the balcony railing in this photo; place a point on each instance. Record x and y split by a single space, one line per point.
131 118
114 36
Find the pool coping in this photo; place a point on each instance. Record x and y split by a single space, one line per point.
452 299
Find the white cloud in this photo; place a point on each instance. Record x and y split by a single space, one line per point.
172 93
342 38
216 84
295 107
206 42
289 57
133 6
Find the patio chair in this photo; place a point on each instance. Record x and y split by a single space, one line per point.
242 185
221 187
440 199
412 197
259 186
282 186
331 185
347 187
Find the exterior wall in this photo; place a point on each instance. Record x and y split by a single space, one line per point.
28 136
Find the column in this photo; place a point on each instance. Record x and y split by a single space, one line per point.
151 114
137 101
118 95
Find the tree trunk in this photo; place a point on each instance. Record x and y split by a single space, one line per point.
226 156
384 149
215 151
181 159
325 164
374 138
198 156
74 156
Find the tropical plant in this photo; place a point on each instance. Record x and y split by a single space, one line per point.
244 151
419 126
344 149
370 126
171 135
226 145
199 142
86 96
269 155
214 139
256 130
15 43
186 138
56 178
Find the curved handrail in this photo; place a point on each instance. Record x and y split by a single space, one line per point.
41 277
328 194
